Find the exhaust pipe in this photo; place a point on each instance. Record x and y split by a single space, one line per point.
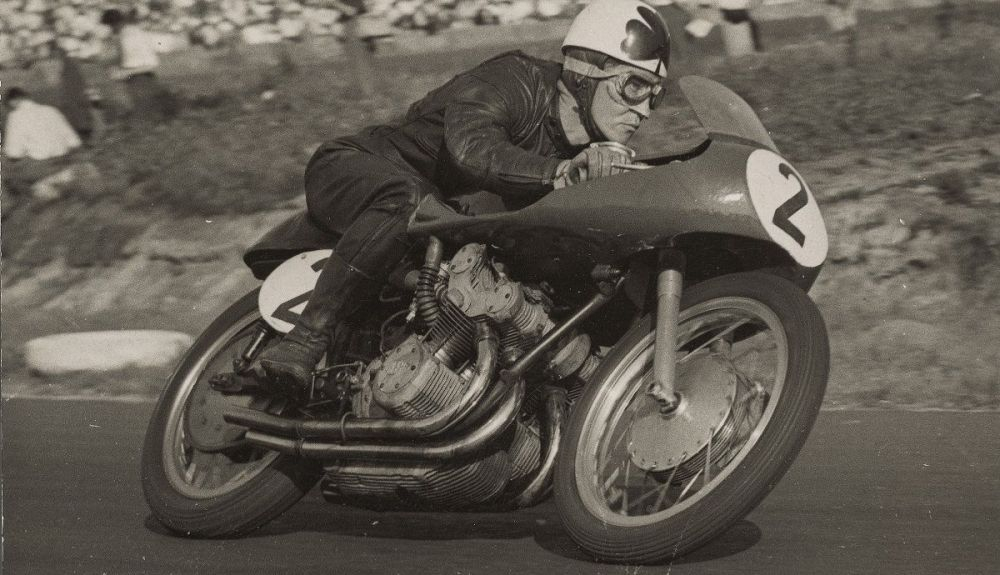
473 443
349 428
555 415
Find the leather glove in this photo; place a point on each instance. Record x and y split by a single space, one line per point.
596 161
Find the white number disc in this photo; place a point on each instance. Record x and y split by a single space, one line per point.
285 292
786 207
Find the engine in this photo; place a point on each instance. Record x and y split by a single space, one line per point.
427 373
410 382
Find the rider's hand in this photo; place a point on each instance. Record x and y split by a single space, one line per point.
596 161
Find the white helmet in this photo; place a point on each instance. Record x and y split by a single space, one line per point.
627 30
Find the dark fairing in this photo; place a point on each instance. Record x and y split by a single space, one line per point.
723 114
697 201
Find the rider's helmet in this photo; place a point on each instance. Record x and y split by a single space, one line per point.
608 32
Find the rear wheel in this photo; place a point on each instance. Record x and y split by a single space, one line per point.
198 476
637 486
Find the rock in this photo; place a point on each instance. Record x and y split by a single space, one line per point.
50 188
550 8
260 34
194 239
925 190
207 35
907 334
884 262
887 235
104 350
854 216
922 249
291 28
846 249
54 186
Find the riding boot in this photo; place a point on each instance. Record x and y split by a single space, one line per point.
292 361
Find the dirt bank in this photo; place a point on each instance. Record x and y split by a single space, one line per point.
903 152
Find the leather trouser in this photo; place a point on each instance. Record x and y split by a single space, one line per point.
367 199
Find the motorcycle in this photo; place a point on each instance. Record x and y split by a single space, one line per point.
640 346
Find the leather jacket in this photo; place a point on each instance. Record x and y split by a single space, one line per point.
495 127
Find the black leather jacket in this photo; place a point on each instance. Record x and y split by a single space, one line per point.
495 127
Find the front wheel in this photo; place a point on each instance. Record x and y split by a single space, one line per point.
223 486
635 485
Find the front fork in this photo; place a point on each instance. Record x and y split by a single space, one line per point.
669 283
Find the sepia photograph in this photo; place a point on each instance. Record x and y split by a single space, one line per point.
485 287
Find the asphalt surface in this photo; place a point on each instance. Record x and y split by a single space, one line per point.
872 492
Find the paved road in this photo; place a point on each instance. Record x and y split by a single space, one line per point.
872 492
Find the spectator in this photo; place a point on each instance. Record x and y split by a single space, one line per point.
138 62
76 97
36 139
740 33
35 131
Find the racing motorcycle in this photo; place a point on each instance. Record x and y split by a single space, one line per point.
640 346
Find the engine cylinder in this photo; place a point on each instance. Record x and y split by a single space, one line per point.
412 383
453 336
453 485
525 450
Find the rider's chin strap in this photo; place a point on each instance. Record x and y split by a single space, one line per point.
554 125
583 88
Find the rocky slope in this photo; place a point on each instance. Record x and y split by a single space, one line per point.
910 292
902 149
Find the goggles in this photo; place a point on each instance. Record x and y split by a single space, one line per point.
635 89
632 87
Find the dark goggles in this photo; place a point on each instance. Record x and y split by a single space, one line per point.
635 89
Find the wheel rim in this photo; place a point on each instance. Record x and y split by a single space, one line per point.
202 475
631 485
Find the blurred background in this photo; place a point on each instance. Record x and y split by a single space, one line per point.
889 108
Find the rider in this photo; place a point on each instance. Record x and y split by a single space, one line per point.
515 125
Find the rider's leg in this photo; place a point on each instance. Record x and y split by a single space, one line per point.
369 203
291 362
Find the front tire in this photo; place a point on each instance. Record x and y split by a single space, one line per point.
635 486
221 492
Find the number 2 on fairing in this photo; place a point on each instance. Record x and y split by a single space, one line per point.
786 208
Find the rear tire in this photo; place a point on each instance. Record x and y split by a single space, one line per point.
224 493
640 512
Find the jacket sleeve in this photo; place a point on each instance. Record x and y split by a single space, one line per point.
480 125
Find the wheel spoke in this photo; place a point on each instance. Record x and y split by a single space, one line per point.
215 476
607 453
647 495
198 474
638 496
708 456
689 485
624 509
613 448
666 488
715 338
611 478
